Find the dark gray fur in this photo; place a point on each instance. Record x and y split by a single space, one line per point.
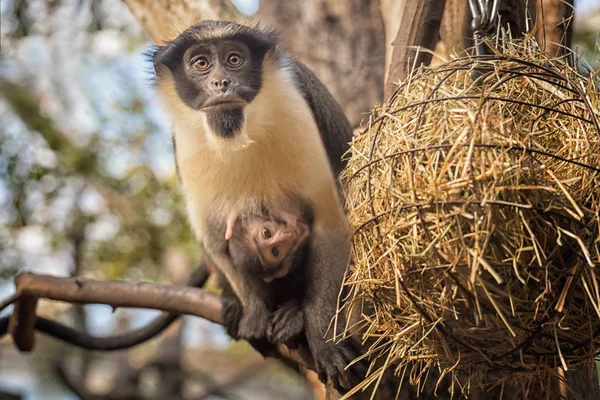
336 132
315 300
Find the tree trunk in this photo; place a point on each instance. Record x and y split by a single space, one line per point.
420 27
555 25
164 19
452 30
341 41
391 12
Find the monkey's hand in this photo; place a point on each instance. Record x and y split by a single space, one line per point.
287 325
332 360
255 321
231 314
231 219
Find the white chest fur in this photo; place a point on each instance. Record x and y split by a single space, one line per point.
279 153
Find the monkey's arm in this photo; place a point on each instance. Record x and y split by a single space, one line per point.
335 130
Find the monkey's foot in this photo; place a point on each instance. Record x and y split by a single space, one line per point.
254 323
287 325
331 360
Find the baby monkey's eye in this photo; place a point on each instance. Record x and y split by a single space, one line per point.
201 63
235 60
275 251
267 233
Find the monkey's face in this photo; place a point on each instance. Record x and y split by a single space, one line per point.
274 242
217 70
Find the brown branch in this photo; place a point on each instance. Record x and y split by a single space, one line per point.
22 322
7 302
171 298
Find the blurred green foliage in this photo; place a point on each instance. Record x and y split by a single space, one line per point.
62 198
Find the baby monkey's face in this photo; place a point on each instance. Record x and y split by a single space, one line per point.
274 241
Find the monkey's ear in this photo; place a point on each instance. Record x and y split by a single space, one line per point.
164 56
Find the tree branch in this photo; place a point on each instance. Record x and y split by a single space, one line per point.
22 322
171 298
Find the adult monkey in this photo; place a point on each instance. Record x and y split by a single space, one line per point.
253 124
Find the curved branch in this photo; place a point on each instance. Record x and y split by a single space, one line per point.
171 298
7 302
122 341
114 342
175 299
30 287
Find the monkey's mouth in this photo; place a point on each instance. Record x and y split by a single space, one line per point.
225 101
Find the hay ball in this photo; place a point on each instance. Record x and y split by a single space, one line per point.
475 215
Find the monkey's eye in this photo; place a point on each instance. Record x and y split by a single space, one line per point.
275 251
201 63
235 60
267 233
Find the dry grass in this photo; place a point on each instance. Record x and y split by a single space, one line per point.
475 211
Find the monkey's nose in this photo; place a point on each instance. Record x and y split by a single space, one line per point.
221 83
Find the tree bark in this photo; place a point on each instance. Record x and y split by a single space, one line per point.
452 29
164 20
391 12
420 27
341 41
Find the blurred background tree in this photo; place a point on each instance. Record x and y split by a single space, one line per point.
88 184
88 187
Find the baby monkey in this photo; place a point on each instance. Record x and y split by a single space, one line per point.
266 245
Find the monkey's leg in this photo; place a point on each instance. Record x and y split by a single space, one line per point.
326 265
232 313
254 296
